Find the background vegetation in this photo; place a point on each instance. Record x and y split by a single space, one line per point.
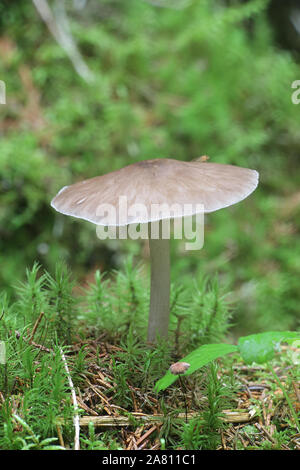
208 78
174 79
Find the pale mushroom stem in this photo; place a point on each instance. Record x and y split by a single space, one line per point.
160 289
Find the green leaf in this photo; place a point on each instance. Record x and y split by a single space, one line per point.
261 347
197 358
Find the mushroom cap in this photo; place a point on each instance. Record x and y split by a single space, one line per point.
175 184
179 368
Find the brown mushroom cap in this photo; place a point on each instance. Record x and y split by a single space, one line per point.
159 181
179 368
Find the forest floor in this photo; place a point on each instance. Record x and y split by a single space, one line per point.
136 418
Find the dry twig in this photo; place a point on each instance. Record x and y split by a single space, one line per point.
76 408
230 416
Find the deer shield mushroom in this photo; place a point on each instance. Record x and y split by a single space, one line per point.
164 183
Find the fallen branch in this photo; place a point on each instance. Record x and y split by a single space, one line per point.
230 416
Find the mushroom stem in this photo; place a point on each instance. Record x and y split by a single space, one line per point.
160 289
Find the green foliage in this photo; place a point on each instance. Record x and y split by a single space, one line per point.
200 313
91 442
116 304
254 348
29 442
191 433
204 79
203 431
47 313
261 348
45 397
43 294
205 314
31 295
286 395
62 301
34 373
29 329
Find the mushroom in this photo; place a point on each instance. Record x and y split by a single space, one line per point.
150 183
179 368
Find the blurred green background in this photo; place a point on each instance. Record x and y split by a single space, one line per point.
151 79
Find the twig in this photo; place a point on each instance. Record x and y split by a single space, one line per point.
229 416
76 420
296 391
85 407
223 441
38 321
59 27
147 434
261 428
39 346
60 437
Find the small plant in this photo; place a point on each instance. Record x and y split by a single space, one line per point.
91 442
203 431
32 441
